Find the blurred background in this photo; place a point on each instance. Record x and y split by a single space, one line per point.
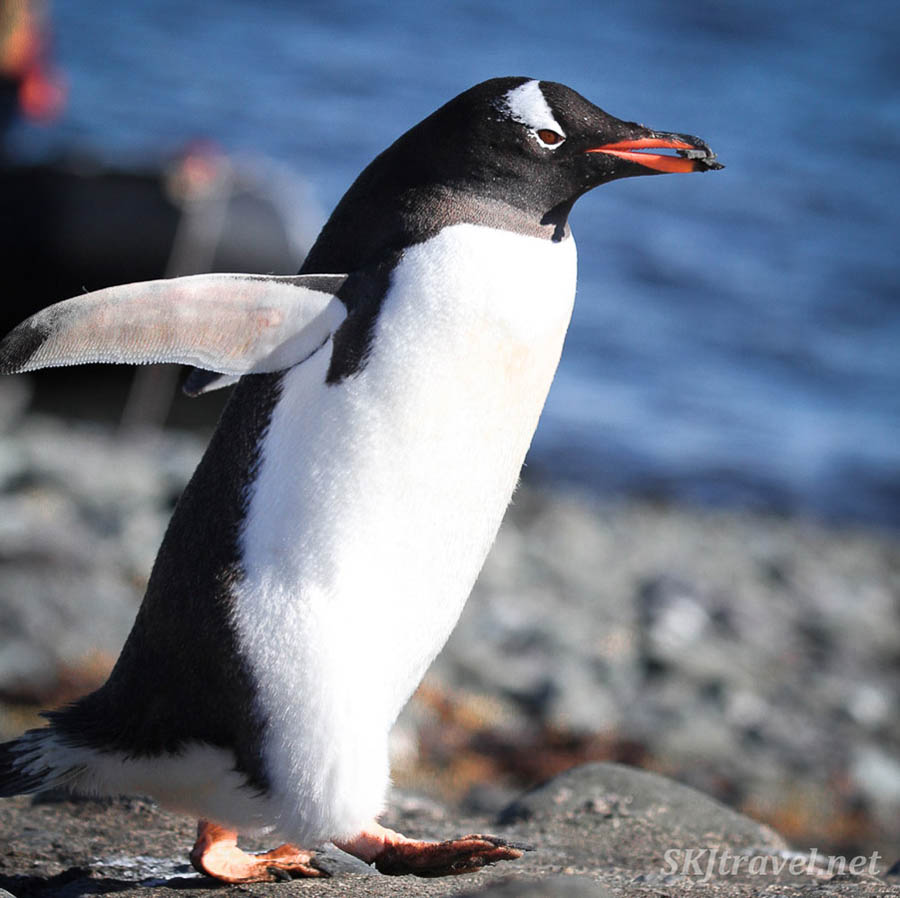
701 573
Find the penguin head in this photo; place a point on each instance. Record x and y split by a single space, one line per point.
540 145
529 147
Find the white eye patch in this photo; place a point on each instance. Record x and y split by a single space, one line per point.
526 104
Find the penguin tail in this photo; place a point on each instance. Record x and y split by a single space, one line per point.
35 762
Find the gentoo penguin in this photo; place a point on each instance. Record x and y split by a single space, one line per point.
324 548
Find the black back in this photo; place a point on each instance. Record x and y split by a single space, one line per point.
181 677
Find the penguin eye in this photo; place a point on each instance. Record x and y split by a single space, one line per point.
549 138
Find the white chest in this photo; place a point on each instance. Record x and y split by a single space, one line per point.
378 498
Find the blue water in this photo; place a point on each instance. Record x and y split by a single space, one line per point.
737 335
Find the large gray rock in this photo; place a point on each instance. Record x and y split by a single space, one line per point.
612 802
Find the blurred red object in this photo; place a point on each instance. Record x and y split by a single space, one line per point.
24 59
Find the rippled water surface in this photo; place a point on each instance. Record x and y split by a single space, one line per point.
737 335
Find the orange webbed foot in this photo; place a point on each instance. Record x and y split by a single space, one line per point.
216 854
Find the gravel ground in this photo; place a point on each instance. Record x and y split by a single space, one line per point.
598 830
755 658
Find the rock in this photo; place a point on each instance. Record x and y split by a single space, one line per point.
597 830
878 775
616 812
549 887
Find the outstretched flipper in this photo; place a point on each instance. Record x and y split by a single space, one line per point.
233 324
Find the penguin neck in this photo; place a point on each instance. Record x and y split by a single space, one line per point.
372 223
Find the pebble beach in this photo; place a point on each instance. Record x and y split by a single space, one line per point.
755 658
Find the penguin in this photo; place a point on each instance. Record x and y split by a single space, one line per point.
324 548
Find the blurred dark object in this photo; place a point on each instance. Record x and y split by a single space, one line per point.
73 226
70 227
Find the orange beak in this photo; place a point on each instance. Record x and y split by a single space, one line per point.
690 158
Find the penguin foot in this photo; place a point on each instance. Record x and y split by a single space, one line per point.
216 854
463 855
396 855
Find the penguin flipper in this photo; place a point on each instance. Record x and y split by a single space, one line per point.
233 324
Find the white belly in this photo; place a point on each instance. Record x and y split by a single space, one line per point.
376 502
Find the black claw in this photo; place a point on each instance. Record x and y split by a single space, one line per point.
280 874
500 842
518 846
